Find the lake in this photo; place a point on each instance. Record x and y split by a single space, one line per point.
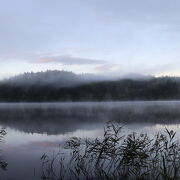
37 128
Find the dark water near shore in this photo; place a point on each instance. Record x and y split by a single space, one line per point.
37 128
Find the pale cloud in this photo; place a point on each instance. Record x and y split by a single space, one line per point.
67 60
118 70
139 11
109 67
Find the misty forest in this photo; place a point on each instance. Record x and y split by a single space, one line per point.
66 86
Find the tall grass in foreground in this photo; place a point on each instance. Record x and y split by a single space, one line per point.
116 156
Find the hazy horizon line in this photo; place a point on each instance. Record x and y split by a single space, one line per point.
102 75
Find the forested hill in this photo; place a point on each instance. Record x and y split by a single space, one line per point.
164 88
50 78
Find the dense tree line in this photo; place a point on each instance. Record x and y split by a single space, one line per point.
163 88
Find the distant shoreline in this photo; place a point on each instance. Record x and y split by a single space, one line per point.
156 89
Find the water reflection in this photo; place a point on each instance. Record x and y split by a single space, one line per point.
68 117
35 128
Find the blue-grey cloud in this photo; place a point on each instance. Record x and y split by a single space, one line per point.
68 60
149 11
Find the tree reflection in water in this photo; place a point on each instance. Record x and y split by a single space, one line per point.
3 163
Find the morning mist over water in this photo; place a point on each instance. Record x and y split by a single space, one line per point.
89 90
37 128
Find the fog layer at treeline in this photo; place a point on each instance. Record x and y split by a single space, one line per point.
67 86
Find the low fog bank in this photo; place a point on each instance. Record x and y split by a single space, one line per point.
53 78
68 117
63 78
66 86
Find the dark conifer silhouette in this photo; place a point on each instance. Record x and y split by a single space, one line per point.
66 86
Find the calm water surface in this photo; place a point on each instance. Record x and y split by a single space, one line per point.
37 128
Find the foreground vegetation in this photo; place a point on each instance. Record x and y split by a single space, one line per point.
116 156
150 89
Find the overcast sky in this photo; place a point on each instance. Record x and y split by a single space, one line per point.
90 36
